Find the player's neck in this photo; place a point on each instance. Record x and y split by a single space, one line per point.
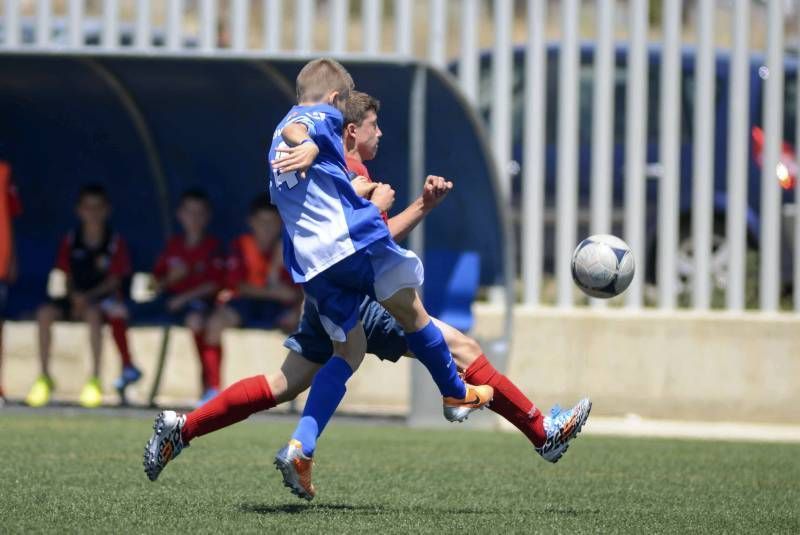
353 154
192 239
93 234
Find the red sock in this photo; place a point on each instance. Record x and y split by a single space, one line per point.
232 405
119 330
509 402
211 359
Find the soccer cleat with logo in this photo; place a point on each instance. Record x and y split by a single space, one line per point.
458 410
296 470
91 394
165 444
39 395
561 426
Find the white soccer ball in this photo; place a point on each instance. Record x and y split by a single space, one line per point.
602 266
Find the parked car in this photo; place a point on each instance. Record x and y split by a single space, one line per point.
758 73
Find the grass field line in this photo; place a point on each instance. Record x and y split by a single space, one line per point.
636 426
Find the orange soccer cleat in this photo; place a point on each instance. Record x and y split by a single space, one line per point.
458 410
296 469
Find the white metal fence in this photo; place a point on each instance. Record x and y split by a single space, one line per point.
708 244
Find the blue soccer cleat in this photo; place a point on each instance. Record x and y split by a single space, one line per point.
130 374
561 426
165 444
208 395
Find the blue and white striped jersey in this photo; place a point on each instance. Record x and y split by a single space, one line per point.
324 219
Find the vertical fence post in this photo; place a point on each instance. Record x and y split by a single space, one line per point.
468 63
12 23
567 134
703 175
110 25
273 25
437 33
340 14
533 152
502 83
770 252
239 24
602 125
404 27
142 40
635 144
669 145
738 156
303 26
75 23
372 18
43 18
174 25
208 25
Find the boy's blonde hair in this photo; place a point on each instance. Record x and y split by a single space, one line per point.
321 77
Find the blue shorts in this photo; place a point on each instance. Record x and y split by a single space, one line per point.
379 271
385 339
258 313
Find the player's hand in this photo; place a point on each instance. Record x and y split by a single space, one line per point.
434 191
296 159
363 186
383 197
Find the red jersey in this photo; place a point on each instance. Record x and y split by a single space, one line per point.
88 266
10 208
203 262
249 264
358 167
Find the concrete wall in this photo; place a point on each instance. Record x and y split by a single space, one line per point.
742 367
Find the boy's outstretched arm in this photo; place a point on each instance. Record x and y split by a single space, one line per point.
434 191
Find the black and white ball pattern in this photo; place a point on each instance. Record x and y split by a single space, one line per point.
602 266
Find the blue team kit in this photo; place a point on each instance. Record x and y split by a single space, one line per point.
335 243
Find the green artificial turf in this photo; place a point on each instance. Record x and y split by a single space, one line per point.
61 473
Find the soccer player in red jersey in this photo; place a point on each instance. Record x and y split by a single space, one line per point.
310 346
189 273
10 208
96 261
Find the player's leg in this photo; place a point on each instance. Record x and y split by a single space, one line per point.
210 361
174 431
46 315
91 393
327 390
427 343
551 434
2 394
116 314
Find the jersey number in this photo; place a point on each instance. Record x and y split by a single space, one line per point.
290 179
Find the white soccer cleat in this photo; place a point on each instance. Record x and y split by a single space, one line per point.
165 444
561 427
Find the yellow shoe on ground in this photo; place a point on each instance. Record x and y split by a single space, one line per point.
39 395
91 394
458 410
